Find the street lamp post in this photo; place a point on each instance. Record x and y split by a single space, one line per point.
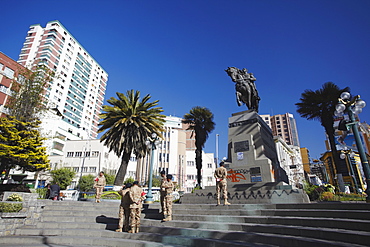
347 154
352 107
152 144
217 135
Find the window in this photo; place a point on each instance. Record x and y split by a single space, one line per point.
78 154
8 72
190 177
92 169
75 169
209 179
209 165
190 163
84 169
95 153
69 154
87 154
255 173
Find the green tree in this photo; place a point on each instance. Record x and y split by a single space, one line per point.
129 180
156 181
28 101
86 182
129 121
21 146
63 176
200 122
320 105
109 178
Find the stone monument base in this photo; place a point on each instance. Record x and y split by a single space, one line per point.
252 193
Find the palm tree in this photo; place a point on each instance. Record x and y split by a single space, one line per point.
320 105
128 123
200 121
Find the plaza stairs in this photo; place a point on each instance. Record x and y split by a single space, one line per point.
79 224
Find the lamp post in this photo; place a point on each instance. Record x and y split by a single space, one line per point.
217 135
348 154
152 144
352 107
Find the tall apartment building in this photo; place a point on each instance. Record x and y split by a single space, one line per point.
283 125
76 95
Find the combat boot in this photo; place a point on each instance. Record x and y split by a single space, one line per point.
119 230
168 218
133 230
137 228
226 202
218 201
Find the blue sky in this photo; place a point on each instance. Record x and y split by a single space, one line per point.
177 51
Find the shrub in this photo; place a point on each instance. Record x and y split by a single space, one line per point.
327 196
42 192
15 198
7 207
21 188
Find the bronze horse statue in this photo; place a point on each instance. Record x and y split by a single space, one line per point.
246 91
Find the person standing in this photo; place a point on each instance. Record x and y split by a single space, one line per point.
54 192
124 208
162 190
221 183
136 196
99 184
167 204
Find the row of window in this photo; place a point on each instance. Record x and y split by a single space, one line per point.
192 163
91 169
83 154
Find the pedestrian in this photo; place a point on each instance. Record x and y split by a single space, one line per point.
54 191
167 210
99 184
162 190
47 196
124 209
221 183
137 196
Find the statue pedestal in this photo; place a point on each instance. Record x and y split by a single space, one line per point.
252 153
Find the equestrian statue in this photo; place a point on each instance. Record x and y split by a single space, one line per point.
245 87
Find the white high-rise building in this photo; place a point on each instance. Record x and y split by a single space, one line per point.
76 95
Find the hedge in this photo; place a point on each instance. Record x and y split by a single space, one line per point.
8 207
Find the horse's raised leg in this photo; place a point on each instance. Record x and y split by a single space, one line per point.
238 98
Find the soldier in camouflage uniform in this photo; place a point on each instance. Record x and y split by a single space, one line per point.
124 209
221 183
99 184
137 196
162 190
167 205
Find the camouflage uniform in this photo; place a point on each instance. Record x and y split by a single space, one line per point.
162 193
167 201
221 183
136 196
99 184
124 211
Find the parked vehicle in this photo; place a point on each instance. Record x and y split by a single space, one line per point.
69 195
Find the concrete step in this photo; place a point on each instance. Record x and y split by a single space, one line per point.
354 225
72 240
328 234
260 238
158 237
72 223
